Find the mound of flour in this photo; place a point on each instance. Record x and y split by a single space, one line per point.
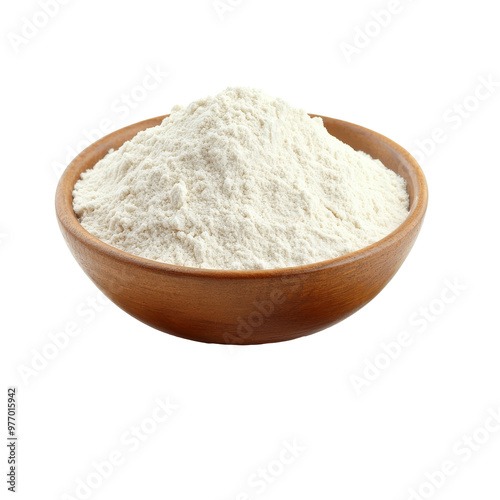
239 181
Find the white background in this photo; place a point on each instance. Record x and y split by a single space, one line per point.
236 407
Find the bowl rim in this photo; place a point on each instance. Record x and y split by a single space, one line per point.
68 219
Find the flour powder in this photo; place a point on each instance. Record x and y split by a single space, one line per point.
239 181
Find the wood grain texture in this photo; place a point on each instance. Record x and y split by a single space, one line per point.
244 307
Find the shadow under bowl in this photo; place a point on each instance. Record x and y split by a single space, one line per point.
244 307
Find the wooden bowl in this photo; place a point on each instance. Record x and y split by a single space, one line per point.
244 307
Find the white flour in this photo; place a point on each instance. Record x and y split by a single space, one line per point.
239 181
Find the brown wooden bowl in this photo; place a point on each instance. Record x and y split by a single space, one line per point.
244 307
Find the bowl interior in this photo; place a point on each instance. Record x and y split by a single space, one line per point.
376 145
379 147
